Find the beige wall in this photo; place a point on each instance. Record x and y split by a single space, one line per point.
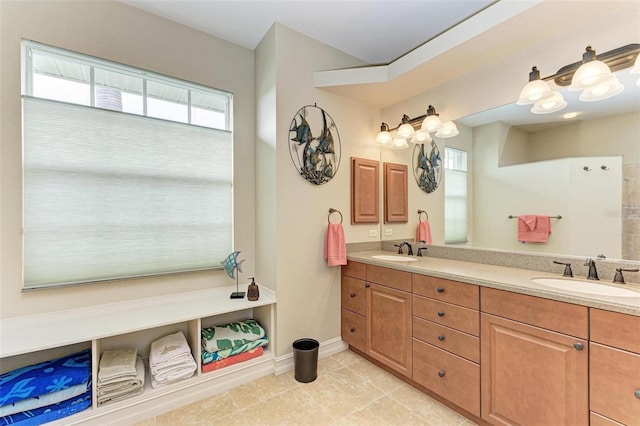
123 34
291 247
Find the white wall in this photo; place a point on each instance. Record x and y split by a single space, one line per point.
292 245
117 32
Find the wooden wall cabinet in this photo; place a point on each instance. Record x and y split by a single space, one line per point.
365 198
395 193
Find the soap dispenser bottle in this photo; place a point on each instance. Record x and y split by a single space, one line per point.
253 292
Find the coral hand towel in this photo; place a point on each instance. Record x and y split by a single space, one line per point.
335 248
533 228
424 232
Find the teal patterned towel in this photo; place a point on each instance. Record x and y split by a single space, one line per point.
208 357
227 336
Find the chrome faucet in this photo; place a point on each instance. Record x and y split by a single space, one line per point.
593 273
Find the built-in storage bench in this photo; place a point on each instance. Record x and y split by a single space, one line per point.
36 338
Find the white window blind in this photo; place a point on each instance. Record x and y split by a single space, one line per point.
109 195
455 196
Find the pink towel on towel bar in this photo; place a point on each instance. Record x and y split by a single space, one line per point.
533 228
424 232
335 248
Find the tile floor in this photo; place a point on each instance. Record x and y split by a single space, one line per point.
349 390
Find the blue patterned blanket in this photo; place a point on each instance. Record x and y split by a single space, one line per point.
45 377
49 413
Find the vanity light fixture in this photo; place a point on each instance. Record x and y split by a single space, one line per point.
594 75
398 142
449 130
421 136
636 69
406 129
535 90
384 137
547 106
432 121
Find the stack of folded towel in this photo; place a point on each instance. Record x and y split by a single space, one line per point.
47 391
231 340
170 360
120 375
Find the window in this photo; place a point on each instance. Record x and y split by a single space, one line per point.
455 195
125 173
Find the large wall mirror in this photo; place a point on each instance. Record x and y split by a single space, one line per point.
585 169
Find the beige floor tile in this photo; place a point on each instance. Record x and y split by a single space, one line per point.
261 389
148 422
429 409
199 413
384 381
342 392
384 412
328 365
293 407
346 357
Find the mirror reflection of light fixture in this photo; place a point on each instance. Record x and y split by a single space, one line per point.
421 136
595 79
384 137
432 121
449 130
552 104
398 142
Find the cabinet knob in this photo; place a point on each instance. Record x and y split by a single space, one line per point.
367 285
352 295
440 313
440 289
441 373
352 329
579 346
637 393
441 337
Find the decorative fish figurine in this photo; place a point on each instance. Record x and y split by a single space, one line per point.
303 131
231 264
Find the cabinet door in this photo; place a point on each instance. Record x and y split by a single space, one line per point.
364 191
395 193
532 376
389 327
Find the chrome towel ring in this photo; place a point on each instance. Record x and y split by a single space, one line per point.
331 210
420 213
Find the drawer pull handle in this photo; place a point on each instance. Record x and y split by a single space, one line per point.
440 313
441 373
440 289
579 346
637 393
352 329
352 295
441 337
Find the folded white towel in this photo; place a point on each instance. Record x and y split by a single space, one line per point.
173 375
168 351
122 390
117 364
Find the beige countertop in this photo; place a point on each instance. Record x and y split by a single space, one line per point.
504 278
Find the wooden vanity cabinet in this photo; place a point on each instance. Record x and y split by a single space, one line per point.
376 314
446 343
535 359
614 368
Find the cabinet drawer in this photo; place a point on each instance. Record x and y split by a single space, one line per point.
355 270
615 329
458 293
614 379
448 375
545 313
454 316
462 344
354 329
596 419
353 295
389 277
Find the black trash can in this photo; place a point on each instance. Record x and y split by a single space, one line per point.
305 359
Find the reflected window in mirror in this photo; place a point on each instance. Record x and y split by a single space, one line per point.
455 195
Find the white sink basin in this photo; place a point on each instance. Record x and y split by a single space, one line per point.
585 287
394 258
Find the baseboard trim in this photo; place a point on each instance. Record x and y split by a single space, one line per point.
284 363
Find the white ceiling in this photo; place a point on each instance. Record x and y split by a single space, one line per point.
375 31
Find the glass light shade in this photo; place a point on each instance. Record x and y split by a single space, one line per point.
421 136
636 69
431 123
383 138
547 106
398 142
534 91
602 91
449 130
406 131
590 74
